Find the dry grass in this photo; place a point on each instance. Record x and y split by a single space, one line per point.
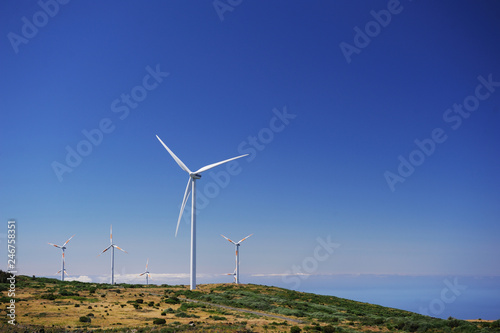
114 309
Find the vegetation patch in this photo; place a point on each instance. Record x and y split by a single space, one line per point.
85 319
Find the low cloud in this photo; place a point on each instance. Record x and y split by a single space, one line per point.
81 278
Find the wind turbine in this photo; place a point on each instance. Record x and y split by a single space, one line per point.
112 247
146 272
237 245
191 187
63 248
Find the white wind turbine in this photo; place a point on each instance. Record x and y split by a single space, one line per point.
191 187
112 247
63 248
237 269
146 272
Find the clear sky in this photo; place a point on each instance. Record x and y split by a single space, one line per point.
370 125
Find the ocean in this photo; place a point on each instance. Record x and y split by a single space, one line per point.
461 297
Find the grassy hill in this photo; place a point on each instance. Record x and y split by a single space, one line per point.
49 305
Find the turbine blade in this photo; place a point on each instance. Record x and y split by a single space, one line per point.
58 246
244 238
68 240
142 274
228 239
119 248
184 200
182 165
208 167
111 234
147 262
104 250
149 275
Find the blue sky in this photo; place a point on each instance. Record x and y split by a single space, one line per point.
324 130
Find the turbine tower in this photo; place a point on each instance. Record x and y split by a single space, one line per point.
146 272
237 269
63 248
191 187
112 247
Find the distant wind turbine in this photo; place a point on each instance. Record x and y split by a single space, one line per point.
146 272
63 248
191 187
237 269
112 247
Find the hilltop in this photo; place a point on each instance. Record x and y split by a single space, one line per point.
49 305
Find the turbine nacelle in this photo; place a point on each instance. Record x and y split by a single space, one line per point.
195 175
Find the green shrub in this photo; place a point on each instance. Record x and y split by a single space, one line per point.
185 315
139 300
64 292
328 329
411 326
50 296
295 329
85 319
167 310
172 300
159 321
182 315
